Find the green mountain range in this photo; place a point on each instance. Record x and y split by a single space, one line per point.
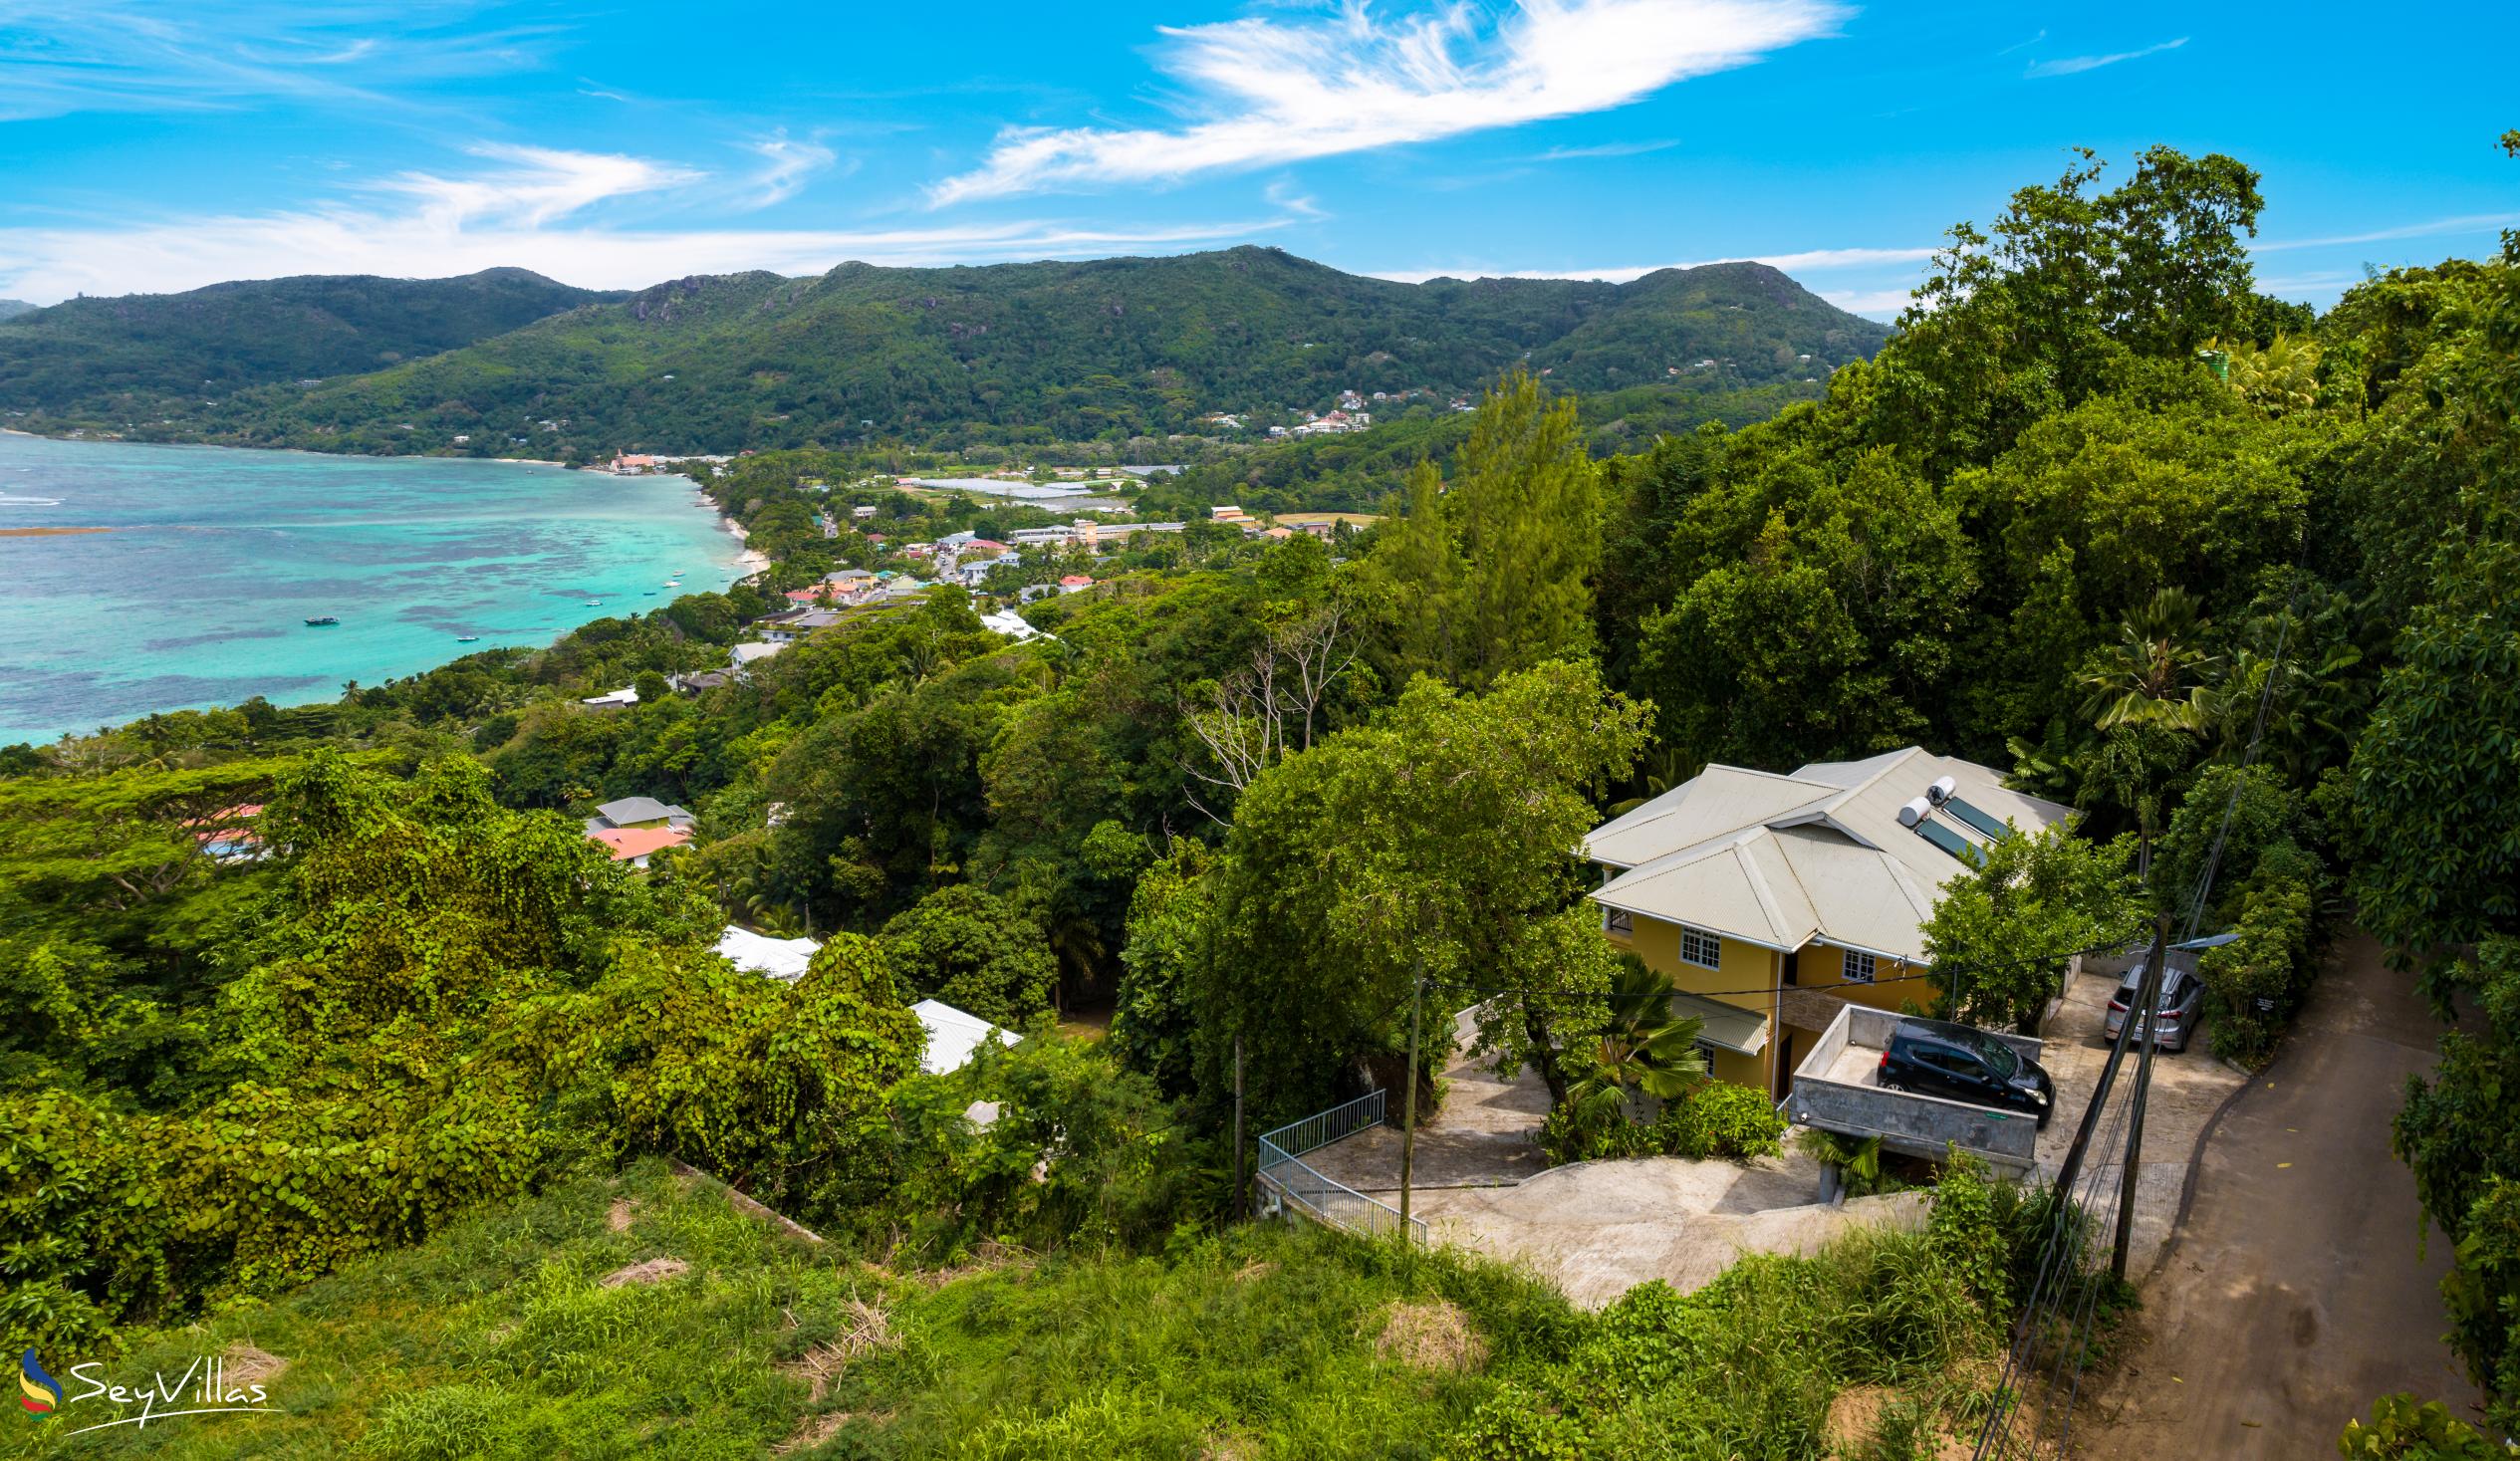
1016 353
11 309
144 357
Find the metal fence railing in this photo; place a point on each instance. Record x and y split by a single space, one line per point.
1335 1203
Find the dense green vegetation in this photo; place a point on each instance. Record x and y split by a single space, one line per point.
500 1338
138 359
1116 351
2235 582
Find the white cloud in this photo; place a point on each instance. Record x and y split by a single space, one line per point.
786 164
1268 92
1281 194
59 57
1604 149
540 185
2076 65
1805 262
525 211
2467 223
1879 303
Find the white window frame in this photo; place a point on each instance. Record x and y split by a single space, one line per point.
1713 941
1857 967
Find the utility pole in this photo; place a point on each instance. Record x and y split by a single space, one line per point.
2072 1167
1408 1096
1240 1206
2145 1008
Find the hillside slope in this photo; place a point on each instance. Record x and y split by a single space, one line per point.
109 360
11 309
1031 352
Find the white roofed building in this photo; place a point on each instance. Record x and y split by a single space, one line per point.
953 1035
1769 899
758 953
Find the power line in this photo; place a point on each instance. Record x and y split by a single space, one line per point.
2064 1251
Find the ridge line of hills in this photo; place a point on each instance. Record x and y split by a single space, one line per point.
1109 348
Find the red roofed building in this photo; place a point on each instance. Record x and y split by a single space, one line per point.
633 845
1073 581
225 835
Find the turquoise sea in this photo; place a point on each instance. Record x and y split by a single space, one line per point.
216 557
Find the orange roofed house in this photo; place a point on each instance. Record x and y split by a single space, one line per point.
1769 899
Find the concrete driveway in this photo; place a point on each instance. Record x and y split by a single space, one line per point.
1595 1229
2304 1280
2187 1088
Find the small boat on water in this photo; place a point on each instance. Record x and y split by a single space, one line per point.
467 638
321 622
595 604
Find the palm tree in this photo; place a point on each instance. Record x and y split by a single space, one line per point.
1644 1049
2155 673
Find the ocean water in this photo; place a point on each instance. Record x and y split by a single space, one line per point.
198 594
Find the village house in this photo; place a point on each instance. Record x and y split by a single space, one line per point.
1770 899
635 844
633 828
795 624
742 658
639 812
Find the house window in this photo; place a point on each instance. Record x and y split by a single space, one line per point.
1619 921
1859 967
1708 1049
1701 948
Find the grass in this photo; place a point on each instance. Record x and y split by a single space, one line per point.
498 1338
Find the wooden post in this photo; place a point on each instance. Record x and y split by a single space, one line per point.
1408 1099
2147 997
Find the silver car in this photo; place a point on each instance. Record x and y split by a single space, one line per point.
2182 1004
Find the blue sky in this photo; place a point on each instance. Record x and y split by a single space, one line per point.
161 146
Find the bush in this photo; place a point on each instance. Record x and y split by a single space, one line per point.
1717 1119
2255 983
1720 1119
2403 1430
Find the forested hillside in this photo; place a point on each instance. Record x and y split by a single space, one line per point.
11 309
1039 353
2230 580
137 357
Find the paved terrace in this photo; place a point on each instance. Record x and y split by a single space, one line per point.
1595 1229
1598 1229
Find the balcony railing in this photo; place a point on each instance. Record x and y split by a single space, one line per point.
1283 1172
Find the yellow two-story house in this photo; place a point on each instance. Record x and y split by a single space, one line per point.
1770 899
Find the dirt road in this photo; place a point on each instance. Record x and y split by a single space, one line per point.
2302 1283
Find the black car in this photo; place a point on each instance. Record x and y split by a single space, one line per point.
1959 1063
2183 1000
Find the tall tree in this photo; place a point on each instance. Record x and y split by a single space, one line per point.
1432 844
1494 575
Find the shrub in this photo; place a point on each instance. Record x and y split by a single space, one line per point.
1512 1426
1967 1232
2254 983
2403 1430
1720 1119
1716 1119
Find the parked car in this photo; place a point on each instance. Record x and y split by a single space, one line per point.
2183 1001
1960 1063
